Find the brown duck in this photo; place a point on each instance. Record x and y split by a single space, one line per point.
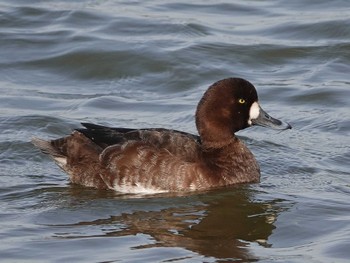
161 160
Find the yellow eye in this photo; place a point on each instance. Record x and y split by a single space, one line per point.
241 101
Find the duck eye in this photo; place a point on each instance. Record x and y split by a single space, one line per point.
241 101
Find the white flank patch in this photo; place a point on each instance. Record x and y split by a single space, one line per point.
61 161
253 112
137 189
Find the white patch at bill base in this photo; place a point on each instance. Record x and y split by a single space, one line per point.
254 112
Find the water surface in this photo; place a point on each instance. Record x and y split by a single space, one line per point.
146 64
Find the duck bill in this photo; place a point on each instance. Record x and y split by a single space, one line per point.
259 117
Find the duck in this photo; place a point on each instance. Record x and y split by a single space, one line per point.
157 160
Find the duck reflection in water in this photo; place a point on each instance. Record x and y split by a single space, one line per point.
218 224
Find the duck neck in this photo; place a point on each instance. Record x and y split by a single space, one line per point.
217 145
215 134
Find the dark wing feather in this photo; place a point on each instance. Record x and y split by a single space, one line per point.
172 140
105 136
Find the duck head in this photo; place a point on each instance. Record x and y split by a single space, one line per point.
228 106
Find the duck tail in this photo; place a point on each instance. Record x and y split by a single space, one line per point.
51 148
56 149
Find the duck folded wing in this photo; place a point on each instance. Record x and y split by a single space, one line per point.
184 145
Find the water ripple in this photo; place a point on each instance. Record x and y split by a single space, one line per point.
146 64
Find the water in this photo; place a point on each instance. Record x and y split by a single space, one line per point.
146 64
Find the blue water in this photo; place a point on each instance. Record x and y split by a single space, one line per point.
146 64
